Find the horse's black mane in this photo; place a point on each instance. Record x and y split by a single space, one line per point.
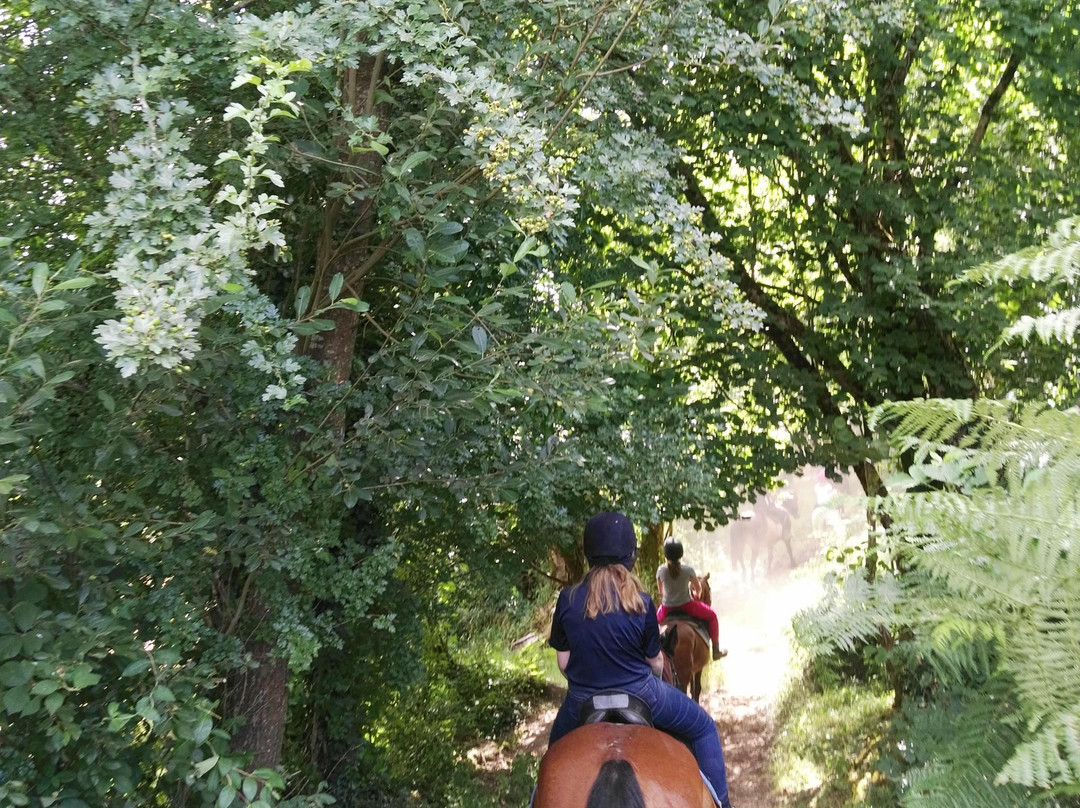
616 786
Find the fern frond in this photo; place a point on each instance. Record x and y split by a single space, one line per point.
1006 442
991 589
956 756
997 554
932 424
1051 757
1055 263
852 610
1058 326
1043 658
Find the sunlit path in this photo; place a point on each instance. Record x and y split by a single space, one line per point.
740 693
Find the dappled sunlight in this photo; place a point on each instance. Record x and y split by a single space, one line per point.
755 611
755 605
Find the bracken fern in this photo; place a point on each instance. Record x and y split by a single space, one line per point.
985 530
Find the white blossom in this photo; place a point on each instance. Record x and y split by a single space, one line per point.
174 251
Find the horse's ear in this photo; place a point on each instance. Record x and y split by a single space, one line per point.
707 574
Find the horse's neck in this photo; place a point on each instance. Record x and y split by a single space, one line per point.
774 512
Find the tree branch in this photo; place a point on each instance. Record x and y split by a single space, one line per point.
239 610
991 103
785 330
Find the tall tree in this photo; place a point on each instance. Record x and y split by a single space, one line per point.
942 137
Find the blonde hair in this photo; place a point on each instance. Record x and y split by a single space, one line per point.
613 587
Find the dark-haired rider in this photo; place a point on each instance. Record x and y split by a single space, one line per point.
677 583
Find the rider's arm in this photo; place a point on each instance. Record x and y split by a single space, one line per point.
660 587
650 640
558 640
657 665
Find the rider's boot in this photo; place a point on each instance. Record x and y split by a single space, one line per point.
718 652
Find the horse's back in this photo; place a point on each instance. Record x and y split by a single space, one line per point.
599 765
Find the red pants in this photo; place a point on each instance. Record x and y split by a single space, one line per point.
695 608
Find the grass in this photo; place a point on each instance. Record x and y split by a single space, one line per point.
824 755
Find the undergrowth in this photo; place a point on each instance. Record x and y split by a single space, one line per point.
477 689
828 729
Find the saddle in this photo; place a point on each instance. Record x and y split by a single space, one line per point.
699 625
615 707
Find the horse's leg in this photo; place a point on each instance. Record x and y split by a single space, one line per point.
685 680
684 656
696 690
787 543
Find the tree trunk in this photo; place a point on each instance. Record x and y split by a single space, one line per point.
650 551
567 568
257 695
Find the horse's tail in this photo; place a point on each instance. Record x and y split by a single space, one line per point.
616 786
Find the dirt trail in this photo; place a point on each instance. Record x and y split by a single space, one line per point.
741 691
754 621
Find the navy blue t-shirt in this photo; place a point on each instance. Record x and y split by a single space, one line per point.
609 650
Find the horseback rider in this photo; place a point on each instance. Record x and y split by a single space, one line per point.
605 635
679 590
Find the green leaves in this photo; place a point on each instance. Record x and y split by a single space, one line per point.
39 277
204 766
24 615
547 319
200 734
335 286
352 304
480 338
14 674
303 298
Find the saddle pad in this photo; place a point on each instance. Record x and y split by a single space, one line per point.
693 622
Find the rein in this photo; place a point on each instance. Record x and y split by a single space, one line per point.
668 674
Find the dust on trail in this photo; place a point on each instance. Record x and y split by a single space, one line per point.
739 693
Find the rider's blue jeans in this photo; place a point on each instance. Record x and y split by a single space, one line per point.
672 711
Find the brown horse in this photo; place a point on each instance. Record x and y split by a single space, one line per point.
619 766
769 524
690 651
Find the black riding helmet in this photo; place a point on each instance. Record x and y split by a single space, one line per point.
610 539
673 549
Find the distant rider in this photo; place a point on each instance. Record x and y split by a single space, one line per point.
679 589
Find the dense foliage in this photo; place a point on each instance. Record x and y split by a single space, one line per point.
325 322
980 589
302 326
